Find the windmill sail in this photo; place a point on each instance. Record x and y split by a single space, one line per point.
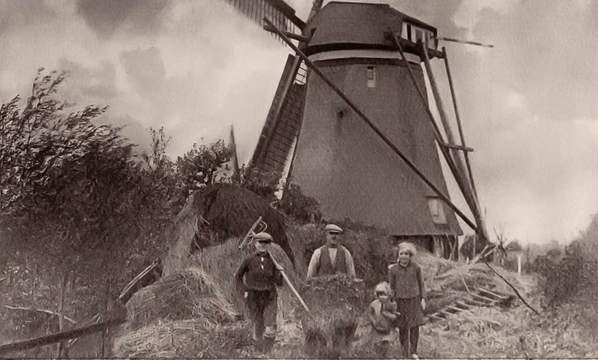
282 123
277 11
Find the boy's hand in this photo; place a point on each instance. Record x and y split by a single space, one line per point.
245 295
423 304
279 267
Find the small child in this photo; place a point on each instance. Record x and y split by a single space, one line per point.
382 314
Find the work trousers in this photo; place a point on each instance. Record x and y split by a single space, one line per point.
263 307
409 338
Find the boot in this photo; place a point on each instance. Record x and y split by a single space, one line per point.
266 344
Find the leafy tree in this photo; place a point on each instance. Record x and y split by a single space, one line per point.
74 199
199 167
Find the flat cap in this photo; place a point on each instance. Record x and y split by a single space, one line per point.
262 237
331 228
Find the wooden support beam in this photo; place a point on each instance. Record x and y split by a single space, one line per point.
462 305
437 134
65 335
484 299
476 303
469 195
496 296
457 147
291 35
456 108
454 308
381 135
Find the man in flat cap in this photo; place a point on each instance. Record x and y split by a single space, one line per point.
259 276
332 258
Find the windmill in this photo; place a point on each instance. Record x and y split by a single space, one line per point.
355 131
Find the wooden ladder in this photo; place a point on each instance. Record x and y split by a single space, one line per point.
479 298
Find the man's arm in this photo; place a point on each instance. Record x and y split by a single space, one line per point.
313 264
350 264
277 277
241 271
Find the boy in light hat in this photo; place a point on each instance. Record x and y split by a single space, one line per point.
332 258
260 276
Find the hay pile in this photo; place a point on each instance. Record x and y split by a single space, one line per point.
231 211
186 295
336 304
215 214
491 333
197 338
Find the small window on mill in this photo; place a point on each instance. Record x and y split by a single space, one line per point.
437 211
371 75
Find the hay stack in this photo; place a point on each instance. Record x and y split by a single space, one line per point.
212 216
186 295
185 339
336 303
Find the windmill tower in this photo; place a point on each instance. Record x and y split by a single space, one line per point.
328 148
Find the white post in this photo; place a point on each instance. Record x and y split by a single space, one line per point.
519 264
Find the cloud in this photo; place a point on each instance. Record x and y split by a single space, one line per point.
145 69
138 17
89 84
515 100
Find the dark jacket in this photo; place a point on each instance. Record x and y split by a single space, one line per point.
258 273
407 281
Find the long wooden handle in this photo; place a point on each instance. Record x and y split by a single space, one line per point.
288 281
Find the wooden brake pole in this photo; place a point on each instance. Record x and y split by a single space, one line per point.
437 134
458 117
359 113
469 194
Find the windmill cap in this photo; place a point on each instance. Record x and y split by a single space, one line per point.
262 237
333 229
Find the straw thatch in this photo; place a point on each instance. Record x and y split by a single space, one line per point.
185 339
216 214
186 295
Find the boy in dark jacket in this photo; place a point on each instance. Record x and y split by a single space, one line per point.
259 276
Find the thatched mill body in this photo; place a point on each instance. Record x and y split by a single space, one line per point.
322 144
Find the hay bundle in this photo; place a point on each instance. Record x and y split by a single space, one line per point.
189 294
336 303
185 339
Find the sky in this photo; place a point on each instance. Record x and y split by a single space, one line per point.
196 67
